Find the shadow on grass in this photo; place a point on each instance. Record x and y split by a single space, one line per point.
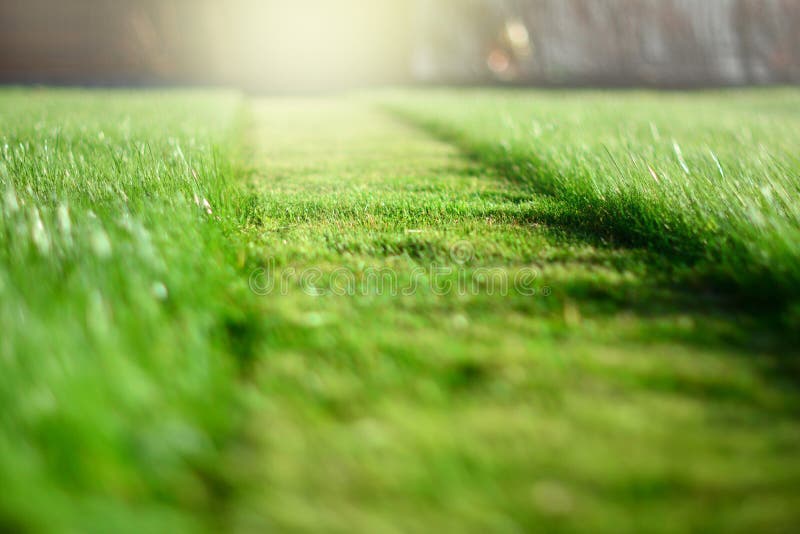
682 278
624 220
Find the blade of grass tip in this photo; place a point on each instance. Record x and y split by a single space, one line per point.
654 132
716 161
653 174
614 161
115 158
679 154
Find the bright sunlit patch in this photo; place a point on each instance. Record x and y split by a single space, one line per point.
314 44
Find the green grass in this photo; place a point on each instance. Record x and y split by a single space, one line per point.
709 178
145 387
116 386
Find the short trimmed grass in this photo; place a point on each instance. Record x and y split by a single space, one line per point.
621 402
147 388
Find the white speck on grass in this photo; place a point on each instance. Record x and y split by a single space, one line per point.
159 291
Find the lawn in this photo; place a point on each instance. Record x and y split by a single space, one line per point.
401 311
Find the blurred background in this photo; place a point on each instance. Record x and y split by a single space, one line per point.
312 45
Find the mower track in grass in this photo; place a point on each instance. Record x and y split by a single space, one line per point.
613 399
709 179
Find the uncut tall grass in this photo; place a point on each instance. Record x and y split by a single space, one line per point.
116 394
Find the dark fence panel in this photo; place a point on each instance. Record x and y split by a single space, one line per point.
609 42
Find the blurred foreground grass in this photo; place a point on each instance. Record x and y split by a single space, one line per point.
115 302
146 387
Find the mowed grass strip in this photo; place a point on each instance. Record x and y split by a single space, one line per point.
710 179
614 402
118 306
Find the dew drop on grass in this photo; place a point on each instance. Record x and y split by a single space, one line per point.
159 291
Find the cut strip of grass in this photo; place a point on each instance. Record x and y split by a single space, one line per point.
615 403
711 178
118 308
